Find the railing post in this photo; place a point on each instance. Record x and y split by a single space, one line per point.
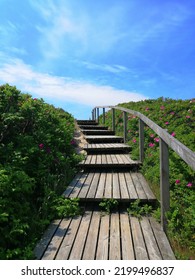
92 113
141 140
98 115
113 119
125 126
103 115
95 114
164 182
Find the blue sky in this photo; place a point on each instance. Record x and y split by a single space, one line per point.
77 54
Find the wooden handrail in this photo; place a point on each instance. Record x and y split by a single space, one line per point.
166 141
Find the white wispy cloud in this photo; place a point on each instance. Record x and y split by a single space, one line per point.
105 67
44 85
70 31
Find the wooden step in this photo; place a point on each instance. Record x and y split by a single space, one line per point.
93 127
122 186
97 132
108 161
104 139
107 148
93 236
86 122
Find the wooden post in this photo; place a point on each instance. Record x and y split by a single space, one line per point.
164 182
141 140
98 115
113 119
103 115
95 114
125 126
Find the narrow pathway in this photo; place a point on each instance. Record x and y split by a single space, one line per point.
107 172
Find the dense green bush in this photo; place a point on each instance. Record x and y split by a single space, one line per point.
178 118
37 160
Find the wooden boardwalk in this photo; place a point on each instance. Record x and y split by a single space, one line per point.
106 172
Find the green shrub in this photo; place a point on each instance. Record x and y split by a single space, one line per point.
37 161
177 118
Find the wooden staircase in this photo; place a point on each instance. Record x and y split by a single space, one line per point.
107 172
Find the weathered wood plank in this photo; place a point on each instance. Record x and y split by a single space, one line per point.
152 247
138 186
71 186
55 242
90 246
116 186
68 240
108 186
45 240
108 159
162 241
101 186
86 186
93 186
139 244
76 190
78 246
146 187
130 186
115 250
123 186
126 238
102 246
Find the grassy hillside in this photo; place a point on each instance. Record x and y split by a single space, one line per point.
178 118
37 160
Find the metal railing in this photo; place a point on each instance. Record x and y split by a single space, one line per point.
166 141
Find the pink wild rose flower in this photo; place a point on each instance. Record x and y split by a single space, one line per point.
41 146
177 182
151 145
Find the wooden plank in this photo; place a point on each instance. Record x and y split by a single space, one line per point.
56 241
93 186
152 247
91 242
115 250
146 187
68 240
116 186
109 159
139 244
108 186
125 159
45 240
93 159
86 186
102 246
126 238
99 159
123 186
130 186
75 192
114 159
138 186
101 186
87 160
78 246
161 238
119 159
71 186
104 159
